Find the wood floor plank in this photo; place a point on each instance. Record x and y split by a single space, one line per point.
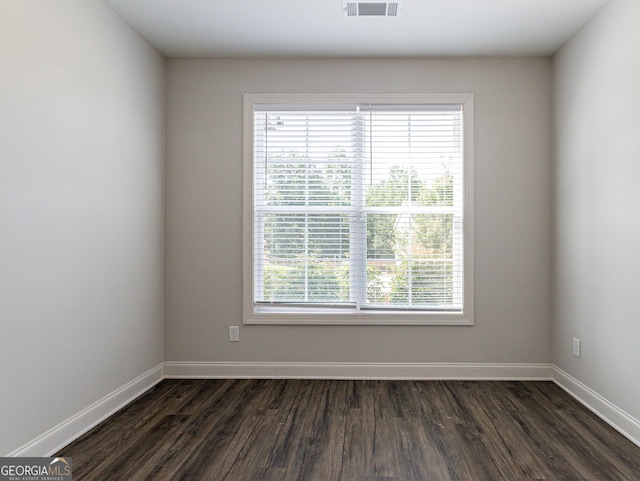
583 441
506 443
321 430
214 429
379 433
108 440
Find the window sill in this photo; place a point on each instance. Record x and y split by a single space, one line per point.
369 318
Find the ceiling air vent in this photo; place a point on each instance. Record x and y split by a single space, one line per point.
370 9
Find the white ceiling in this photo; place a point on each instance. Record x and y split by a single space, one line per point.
317 28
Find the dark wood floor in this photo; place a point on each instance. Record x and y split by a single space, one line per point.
313 430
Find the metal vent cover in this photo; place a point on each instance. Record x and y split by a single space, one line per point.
370 9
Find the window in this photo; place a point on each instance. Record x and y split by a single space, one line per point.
358 209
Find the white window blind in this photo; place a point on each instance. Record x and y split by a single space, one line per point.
358 207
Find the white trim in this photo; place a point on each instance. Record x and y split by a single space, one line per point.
356 370
251 315
74 427
358 318
621 421
69 430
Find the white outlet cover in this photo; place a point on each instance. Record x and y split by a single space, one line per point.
234 334
576 347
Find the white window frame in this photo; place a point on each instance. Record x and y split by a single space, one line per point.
327 316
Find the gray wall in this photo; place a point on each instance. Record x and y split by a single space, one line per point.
81 211
597 202
512 205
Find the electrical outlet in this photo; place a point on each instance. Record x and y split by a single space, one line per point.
234 334
576 347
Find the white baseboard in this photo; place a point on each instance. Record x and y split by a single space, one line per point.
624 423
74 427
335 370
69 430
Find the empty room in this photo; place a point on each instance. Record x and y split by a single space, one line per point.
320 239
